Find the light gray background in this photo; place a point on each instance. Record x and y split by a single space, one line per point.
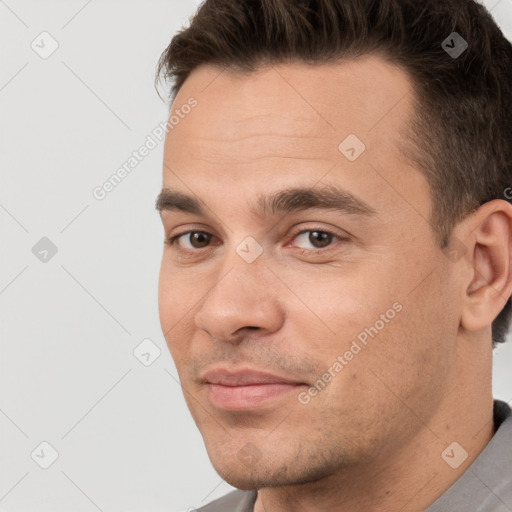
68 375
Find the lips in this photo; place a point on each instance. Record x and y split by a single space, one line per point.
244 378
246 389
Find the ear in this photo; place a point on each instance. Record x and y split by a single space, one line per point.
489 243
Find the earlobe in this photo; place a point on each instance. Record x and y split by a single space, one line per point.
490 233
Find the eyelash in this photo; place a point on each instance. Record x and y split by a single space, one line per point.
172 241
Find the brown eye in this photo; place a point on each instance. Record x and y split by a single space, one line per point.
318 239
199 239
196 239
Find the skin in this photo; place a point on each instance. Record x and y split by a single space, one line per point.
372 439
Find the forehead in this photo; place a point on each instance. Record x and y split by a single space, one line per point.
283 124
353 95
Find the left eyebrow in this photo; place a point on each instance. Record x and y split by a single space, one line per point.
285 201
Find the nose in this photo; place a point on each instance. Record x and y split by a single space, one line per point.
244 298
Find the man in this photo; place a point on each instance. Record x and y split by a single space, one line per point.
337 266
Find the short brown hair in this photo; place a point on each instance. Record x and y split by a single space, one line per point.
461 133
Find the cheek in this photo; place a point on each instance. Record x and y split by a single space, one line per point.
174 305
379 322
178 290
344 303
405 360
166 300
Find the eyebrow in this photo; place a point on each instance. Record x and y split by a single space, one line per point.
289 200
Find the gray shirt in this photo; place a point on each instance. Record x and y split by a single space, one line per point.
486 486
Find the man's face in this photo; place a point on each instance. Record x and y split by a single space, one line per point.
351 308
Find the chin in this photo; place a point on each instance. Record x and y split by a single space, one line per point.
243 482
265 472
248 479
245 473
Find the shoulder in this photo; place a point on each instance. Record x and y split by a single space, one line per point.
486 486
